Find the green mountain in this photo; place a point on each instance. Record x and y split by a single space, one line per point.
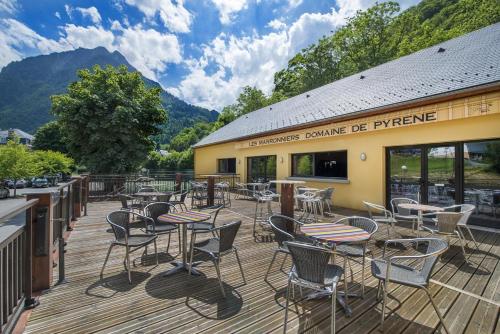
26 87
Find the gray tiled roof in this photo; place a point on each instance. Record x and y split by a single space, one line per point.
467 61
19 133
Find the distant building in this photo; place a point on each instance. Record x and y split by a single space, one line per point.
24 137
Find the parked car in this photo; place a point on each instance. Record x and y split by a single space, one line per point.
40 182
9 184
4 192
20 184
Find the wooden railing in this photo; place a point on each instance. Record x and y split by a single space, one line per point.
229 178
16 233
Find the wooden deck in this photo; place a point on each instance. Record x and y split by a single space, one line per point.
468 294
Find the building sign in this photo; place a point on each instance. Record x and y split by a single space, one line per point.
457 109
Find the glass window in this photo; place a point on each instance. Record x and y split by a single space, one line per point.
323 164
226 165
261 169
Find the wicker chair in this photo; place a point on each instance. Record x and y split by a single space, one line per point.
119 221
181 202
164 198
404 214
147 189
416 275
154 210
199 195
202 227
447 226
357 250
218 247
263 211
380 215
312 270
130 203
285 229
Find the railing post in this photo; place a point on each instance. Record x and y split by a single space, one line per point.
178 181
85 193
43 241
210 190
77 192
64 221
29 301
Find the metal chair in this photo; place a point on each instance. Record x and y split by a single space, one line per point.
380 214
326 198
164 198
447 225
312 270
404 214
218 247
357 250
199 195
416 275
130 203
202 227
120 224
262 204
154 210
147 189
241 190
285 229
181 202
466 210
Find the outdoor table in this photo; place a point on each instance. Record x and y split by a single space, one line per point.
287 200
420 208
254 185
183 219
146 195
334 234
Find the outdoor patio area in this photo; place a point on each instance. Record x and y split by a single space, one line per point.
468 294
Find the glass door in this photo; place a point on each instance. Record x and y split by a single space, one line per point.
440 180
261 169
405 173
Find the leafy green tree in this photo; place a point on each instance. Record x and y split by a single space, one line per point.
52 162
250 99
50 137
108 117
16 162
493 155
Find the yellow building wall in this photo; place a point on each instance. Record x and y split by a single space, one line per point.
366 179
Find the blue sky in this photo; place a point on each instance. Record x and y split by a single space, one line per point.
203 51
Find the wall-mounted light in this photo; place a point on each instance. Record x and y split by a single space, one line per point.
239 161
281 159
362 156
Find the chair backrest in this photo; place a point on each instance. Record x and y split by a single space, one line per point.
215 213
326 194
147 189
119 219
283 228
375 208
310 262
465 209
124 199
435 247
447 221
227 234
395 202
164 198
367 224
154 210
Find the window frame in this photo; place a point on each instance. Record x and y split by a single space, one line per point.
227 165
314 176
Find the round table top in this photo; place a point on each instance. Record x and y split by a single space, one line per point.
287 181
337 233
309 189
150 194
210 175
420 207
184 217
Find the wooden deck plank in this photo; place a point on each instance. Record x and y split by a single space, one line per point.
184 304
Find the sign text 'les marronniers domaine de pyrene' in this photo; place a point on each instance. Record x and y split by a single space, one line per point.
347 128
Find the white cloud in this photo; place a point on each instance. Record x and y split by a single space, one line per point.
91 13
8 6
68 10
294 3
229 63
228 9
173 14
58 15
276 24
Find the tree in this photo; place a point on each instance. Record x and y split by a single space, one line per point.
108 117
51 162
16 163
50 137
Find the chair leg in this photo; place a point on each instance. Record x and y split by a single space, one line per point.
283 262
363 277
156 252
334 311
286 305
128 265
106 259
384 302
379 286
239 264
459 235
191 251
180 240
168 244
472 237
217 269
437 311
270 265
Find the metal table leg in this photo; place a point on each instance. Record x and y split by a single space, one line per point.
183 265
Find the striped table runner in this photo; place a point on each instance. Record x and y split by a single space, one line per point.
184 217
331 232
